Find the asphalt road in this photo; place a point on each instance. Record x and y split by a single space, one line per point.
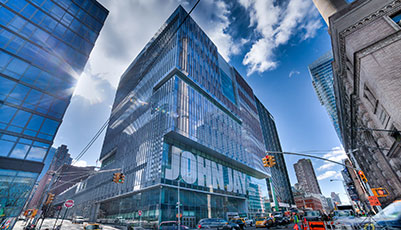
67 225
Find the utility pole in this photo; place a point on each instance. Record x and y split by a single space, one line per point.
365 184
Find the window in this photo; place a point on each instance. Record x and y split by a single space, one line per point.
49 127
367 93
35 122
5 87
17 66
36 154
19 151
397 18
382 115
21 118
5 147
6 113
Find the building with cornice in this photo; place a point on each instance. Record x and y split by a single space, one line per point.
366 40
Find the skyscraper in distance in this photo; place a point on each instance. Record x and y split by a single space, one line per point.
306 176
44 46
182 118
321 73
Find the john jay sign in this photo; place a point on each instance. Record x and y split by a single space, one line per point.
203 172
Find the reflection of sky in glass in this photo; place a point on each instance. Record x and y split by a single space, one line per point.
36 154
19 151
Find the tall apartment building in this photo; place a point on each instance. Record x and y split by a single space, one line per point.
182 117
321 72
365 39
61 157
44 46
306 176
281 191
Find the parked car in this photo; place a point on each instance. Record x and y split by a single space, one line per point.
92 226
78 220
171 225
217 223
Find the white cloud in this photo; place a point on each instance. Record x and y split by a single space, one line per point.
81 163
275 25
328 174
124 35
293 72
213 17
336 154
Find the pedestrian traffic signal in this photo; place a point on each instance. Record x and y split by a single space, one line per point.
380 192
362 176
118 178
50 198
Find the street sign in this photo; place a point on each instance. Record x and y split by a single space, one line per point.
140 212
374 201
380 192
69 203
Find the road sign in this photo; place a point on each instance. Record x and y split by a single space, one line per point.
140 212
374 201
380 192
69 203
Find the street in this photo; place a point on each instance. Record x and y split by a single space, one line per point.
67 225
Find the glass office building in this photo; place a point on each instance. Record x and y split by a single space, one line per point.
280 190
321 72
184 124
44 46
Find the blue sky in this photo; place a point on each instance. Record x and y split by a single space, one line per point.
270 43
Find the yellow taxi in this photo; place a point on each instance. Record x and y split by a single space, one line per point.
239 218
92 227
263 222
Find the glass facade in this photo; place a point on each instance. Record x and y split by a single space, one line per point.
182 118
321 72
281 187
44 46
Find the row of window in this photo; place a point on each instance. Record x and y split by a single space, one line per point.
21 148
43 38
26 123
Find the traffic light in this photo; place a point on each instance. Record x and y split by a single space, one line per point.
116 177
50 198
272 161
380 192
362 176
266 161
121 178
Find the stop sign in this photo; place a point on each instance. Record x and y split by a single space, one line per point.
139 212
69 203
